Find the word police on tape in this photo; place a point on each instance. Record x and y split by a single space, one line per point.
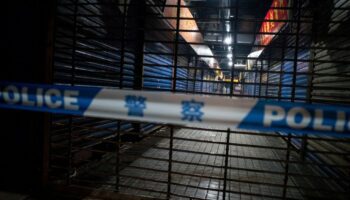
300 118
40 97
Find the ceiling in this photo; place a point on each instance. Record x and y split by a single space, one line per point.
217 20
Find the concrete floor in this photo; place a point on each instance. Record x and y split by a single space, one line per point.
13 196
205 188
187 178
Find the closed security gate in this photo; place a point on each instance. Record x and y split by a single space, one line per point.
287 60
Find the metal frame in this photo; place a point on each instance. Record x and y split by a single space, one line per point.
101 154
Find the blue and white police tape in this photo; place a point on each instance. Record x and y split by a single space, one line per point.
179 109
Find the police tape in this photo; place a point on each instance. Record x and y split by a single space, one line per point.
181 109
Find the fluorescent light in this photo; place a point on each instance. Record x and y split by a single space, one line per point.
255 54
212 61
228 40
240 66
230 63
229 55
228 27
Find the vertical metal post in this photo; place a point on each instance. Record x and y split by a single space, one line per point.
267 75
177 33
139 50
195 74
171 142
256 35
304 143
121 79
70 121
255 77
122 48
188 74
260 79
50 49
117 166
295 65
140 43
281 68
70 146
46 149
74 43
202 77
231 81
303 148
234 47
226 163
311 69
286 168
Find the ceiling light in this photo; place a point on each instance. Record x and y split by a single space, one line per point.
255 54
230 63
228 27
228 40
229 55
240 66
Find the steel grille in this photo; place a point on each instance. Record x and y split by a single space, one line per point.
151 45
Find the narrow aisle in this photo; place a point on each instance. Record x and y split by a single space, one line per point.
198 167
